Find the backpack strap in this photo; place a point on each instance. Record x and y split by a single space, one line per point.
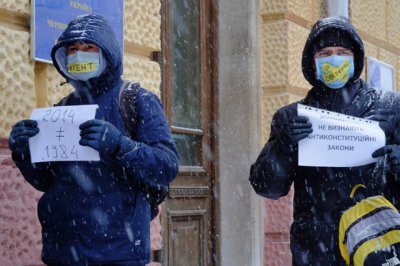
127 109
121 94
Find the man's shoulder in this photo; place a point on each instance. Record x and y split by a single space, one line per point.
138 90
388 94
388 98
141 98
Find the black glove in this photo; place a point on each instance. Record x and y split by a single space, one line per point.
295 130
19 139
102 136
389 122
393 156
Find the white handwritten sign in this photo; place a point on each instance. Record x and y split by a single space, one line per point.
58 138
338 140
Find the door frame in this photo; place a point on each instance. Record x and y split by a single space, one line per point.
209 107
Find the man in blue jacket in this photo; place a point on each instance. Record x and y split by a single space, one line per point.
98 212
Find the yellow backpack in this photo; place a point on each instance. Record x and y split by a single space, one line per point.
369 232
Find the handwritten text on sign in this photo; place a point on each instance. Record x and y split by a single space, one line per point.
58 138
338 140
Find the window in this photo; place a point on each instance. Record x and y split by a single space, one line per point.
186 78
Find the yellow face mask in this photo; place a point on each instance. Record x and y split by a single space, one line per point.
84 65
335 70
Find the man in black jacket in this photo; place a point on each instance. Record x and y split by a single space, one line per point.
321 193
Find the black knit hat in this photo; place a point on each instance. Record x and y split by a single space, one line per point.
335 37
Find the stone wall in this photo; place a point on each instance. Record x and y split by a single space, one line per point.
26 84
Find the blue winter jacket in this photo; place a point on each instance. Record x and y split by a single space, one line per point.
97 212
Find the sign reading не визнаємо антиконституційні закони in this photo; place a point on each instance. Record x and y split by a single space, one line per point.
338 140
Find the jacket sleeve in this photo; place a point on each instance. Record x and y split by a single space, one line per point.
151 158
273 172
37 174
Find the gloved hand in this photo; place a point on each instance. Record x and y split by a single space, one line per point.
295 130
393 156
389 122
102 136
19 139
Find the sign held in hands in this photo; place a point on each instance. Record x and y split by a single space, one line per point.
58 138
338 140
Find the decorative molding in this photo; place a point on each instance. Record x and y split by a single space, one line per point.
188 192
286 89
14 21
290 16
192 171
366 37
184 214
134 50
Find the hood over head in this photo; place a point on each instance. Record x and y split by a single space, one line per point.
332 31
90 28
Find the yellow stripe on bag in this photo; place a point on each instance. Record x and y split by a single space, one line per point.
351 215
364 207
381 242
82 67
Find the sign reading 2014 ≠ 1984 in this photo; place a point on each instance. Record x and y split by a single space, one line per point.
59 134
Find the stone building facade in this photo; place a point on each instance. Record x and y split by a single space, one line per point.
274 35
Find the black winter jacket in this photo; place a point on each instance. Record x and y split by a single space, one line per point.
321 193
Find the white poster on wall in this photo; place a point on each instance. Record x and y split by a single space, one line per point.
380 75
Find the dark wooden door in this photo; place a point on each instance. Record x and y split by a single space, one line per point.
187 91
